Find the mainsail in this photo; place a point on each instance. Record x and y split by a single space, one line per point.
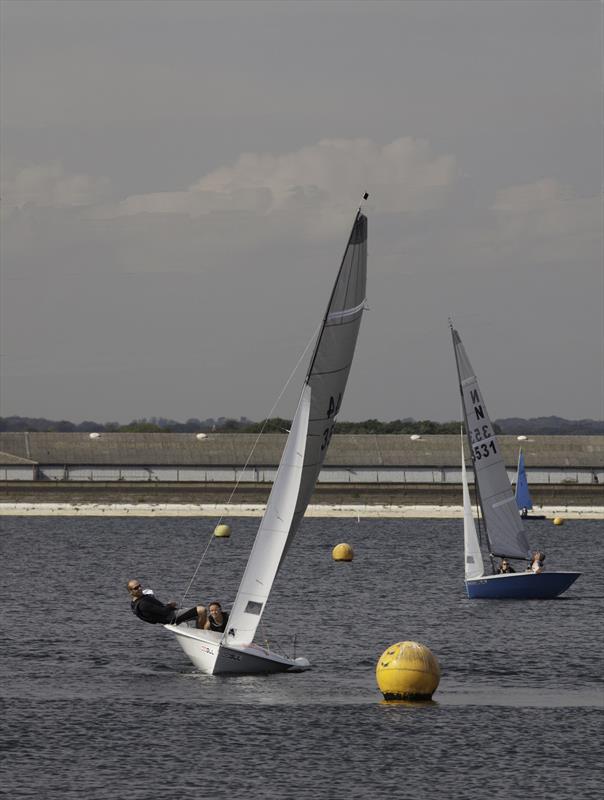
329 367
309 437
505 532
523 495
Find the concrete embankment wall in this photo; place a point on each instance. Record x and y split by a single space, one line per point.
325 493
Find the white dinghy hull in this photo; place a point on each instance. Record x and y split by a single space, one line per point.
210 656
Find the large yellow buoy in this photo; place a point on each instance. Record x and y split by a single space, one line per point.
558 520
222 531
342 552
407 671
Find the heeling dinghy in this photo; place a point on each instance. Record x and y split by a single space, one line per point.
234 651
503 528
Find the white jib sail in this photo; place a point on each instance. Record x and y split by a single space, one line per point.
505 531
473 557
271 538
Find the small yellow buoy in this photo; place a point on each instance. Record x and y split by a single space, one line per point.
222 531
558 520
342 552
407 671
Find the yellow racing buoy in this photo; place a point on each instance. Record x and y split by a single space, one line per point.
558 520
222 531
407 671
342 552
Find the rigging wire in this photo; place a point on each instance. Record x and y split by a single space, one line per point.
238 481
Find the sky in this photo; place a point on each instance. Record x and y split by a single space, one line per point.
179 180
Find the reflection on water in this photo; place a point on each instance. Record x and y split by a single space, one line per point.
97 703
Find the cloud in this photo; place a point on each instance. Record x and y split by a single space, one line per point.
48 186
326 178
545 209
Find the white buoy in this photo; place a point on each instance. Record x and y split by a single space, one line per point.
521 438
222 531
201 436
415 437
300 665
94 435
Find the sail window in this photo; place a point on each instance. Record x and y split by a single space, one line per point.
253 608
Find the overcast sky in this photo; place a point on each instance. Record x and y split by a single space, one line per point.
179 180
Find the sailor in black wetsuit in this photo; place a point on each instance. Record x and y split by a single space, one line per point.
150 609
217 618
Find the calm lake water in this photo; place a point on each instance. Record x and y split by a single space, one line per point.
97 704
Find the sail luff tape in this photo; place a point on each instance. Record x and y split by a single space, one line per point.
348 312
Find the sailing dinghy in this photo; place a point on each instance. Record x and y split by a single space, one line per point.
523 494
502 525
234 651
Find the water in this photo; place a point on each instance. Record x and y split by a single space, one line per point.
97 704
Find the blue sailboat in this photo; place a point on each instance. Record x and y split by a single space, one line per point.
523 495
499 520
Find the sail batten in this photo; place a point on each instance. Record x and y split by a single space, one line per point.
505 532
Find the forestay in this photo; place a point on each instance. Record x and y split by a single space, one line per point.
503 525
309 438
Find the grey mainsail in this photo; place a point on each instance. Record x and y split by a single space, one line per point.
505 532
330 364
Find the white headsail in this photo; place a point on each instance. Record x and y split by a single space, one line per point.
473 557
309 438
268 546
505 532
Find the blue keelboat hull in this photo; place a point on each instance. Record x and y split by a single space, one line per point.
520 586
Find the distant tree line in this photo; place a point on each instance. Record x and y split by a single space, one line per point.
144 425
539 426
